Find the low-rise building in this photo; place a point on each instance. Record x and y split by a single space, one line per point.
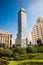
5 39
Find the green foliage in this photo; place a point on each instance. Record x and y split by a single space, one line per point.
19 53
5 58
24 56
31 49
19 50
16 56
20 56
2 51
40 49
6 52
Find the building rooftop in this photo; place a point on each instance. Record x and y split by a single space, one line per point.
22 9
39 20
4 32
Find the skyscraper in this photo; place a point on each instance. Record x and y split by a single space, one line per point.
22 36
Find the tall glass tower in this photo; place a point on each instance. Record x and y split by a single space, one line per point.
22 36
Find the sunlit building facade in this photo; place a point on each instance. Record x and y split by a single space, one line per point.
22 36
5 39
37 32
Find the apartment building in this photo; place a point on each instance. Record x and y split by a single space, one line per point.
37 32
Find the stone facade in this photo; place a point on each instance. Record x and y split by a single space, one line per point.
22 36
5 39
37 32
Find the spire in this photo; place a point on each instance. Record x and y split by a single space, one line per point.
22 6
21 3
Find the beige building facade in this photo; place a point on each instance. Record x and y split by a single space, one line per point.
5 39
37 32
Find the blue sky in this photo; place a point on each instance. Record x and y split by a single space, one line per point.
9 14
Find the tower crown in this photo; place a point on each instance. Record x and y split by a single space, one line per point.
23 9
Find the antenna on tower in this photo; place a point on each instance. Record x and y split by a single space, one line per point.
21 3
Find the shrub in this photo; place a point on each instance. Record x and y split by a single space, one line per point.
2 51
23 56
40 49
6 52
9 52
28 56
16 56
5 58
31 49
19 50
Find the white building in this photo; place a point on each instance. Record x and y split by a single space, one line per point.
22 36
37 32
